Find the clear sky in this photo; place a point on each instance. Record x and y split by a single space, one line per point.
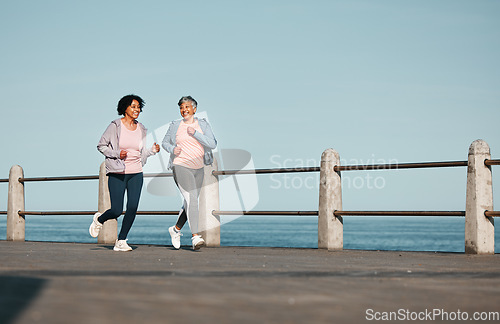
379 81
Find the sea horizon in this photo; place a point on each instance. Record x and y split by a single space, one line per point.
392 233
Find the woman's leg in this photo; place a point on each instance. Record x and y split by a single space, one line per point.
134 188
182 218
187 184
199 174
116 186
198 178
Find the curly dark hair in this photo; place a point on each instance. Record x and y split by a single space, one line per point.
127 101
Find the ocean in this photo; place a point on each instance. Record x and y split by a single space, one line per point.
439 234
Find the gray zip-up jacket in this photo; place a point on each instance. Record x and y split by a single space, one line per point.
109 145
207 140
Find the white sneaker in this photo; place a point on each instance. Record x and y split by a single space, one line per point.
175 236
121 245
95 227
198 242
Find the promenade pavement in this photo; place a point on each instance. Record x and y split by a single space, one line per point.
42 282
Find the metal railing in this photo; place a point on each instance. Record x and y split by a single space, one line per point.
327 166
263 171
360 167
68 178
74 213
79 178
76 178
418 165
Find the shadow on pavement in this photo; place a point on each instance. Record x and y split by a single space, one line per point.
16 294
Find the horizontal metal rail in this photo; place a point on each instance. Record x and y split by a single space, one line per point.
158 212
487 213
490 213
492 162
59 178
339 213
55 213
400 166
361 167
337 168
398 213
3 212
92 177
265 213
259 171
72 213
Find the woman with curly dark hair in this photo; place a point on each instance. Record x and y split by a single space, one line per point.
124 146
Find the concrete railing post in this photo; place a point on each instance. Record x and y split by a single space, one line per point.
209 201
109 230
15 203
330 228
479 229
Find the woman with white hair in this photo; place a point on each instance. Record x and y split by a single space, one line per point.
190 142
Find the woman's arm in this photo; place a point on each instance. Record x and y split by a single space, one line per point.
206 139
167 140
147 152
104 143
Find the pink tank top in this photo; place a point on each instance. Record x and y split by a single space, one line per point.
131 141
192 151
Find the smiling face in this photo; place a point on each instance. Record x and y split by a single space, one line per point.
133 110
187 110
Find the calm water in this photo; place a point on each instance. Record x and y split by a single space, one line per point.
366 233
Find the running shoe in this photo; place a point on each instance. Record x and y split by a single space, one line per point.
175 236
121 245
95 227
198 242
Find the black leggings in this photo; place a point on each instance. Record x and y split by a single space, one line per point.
117 184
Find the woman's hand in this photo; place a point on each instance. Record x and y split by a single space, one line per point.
156 148
177 150
123 154
191 130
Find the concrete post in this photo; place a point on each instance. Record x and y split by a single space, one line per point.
330 228
479 229
209 201
15 203
109 230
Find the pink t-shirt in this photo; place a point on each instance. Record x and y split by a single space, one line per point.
131 141
192 151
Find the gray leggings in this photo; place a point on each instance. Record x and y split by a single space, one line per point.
189 182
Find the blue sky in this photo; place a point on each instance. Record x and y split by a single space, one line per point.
378 81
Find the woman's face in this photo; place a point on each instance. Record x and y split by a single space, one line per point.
133 110
187 110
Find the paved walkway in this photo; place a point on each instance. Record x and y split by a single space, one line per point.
89 283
